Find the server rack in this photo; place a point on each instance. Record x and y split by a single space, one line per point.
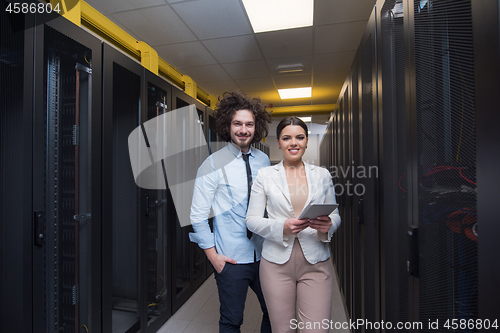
157 227
395 160
66 178
166 267
66 167
214 144
123 93
199 259
188 260
408 108
485 18
16 239
445 165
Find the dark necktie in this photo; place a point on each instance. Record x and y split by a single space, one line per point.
249 184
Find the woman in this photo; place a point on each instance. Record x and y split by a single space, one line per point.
295 266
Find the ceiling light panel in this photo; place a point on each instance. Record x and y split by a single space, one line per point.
295 68
295 93
272 15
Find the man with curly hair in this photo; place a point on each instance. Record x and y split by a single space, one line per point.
223 184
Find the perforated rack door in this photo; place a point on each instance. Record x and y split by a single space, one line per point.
67 182
445 115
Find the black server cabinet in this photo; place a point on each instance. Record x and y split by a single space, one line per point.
414 103
214 141
136 250
368 177
445 163
16 238
66 179
157 224
188 260
341 194
355 163
214 144
395 167
486 33
357 220
199 259
122 207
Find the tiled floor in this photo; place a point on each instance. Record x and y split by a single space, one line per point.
200 314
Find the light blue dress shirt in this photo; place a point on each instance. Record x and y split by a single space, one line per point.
221 185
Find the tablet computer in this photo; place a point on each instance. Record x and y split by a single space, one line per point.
313 210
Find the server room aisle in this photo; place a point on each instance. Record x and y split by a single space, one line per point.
200 314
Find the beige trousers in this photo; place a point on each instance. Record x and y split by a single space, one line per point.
298 285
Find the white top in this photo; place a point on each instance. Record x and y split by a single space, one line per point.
270 191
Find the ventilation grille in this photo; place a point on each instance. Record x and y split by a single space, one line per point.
446 161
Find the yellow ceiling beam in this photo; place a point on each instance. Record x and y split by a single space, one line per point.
69 9
206 98
190 86
104 27
170 72
148 56
301 109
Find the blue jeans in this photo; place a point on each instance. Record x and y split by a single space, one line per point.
233 283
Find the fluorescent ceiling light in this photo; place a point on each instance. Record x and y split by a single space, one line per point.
271 15
305 119
295 93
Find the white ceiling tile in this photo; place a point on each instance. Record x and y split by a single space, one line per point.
333 62
213 42
338 37
112 6
267 96
292 81
174 1
218 88
296 101
336 11
207 73
185 54
256 84
286 43
329 80
327 86
247 69
214 18
234 49
155 26
324 99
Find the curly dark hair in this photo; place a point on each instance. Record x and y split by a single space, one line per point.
232 102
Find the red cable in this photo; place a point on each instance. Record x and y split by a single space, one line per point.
444 167
399 183
467 179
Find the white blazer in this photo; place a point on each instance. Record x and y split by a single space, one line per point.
270 191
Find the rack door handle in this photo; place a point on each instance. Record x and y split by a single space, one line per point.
412 263
39 227
361 212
